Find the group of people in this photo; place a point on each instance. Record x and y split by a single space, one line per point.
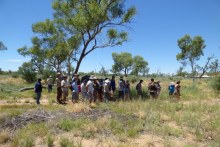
93 89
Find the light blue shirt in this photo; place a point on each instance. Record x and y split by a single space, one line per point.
75 87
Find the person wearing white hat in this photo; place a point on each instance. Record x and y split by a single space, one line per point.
90 88
171 89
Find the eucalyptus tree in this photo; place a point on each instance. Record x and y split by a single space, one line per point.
122 62
191 51
139 65
99 23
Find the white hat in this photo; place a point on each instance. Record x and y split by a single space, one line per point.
107 81
171 83
94 78
91 77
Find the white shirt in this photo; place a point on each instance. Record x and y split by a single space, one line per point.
90 86
83 88
106 87
64 83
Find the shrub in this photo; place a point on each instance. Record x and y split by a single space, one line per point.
65 142
15 75
50 141
27 72
216 84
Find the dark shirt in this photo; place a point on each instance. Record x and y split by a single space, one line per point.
38 87
112 85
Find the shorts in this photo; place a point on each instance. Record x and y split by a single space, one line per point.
90 93
75 96
65 93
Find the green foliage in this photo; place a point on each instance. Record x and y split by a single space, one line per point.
191 50
65 142
27 72
68 124
139 64
216 84
2 46
122 62
50 141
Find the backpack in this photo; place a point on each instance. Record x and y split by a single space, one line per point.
153 87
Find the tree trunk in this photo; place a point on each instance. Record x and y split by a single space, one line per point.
78 63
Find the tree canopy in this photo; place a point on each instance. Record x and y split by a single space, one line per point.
77 29
191 51
123 62
2 46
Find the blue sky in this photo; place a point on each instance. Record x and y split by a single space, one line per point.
154 34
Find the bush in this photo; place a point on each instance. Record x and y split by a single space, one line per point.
15 75
65 142
27 72
216 84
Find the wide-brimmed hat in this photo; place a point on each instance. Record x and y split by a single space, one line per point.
91 77
95 78
58 73
65 76
171 83
107 81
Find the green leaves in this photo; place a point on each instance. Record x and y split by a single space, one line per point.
191 50
2 46
124 62
129 14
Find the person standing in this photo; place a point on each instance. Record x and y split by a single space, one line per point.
177 90
127 90
139 89
50 84
96 88
106 90
112 86
65 88
59 90
38 90
153 89
121 88
75 91
90 89
83 90
171 89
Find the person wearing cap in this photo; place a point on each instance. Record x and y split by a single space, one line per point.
106 90
90 88
171 89
65 88
59 90
50 84
38 90
121 88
